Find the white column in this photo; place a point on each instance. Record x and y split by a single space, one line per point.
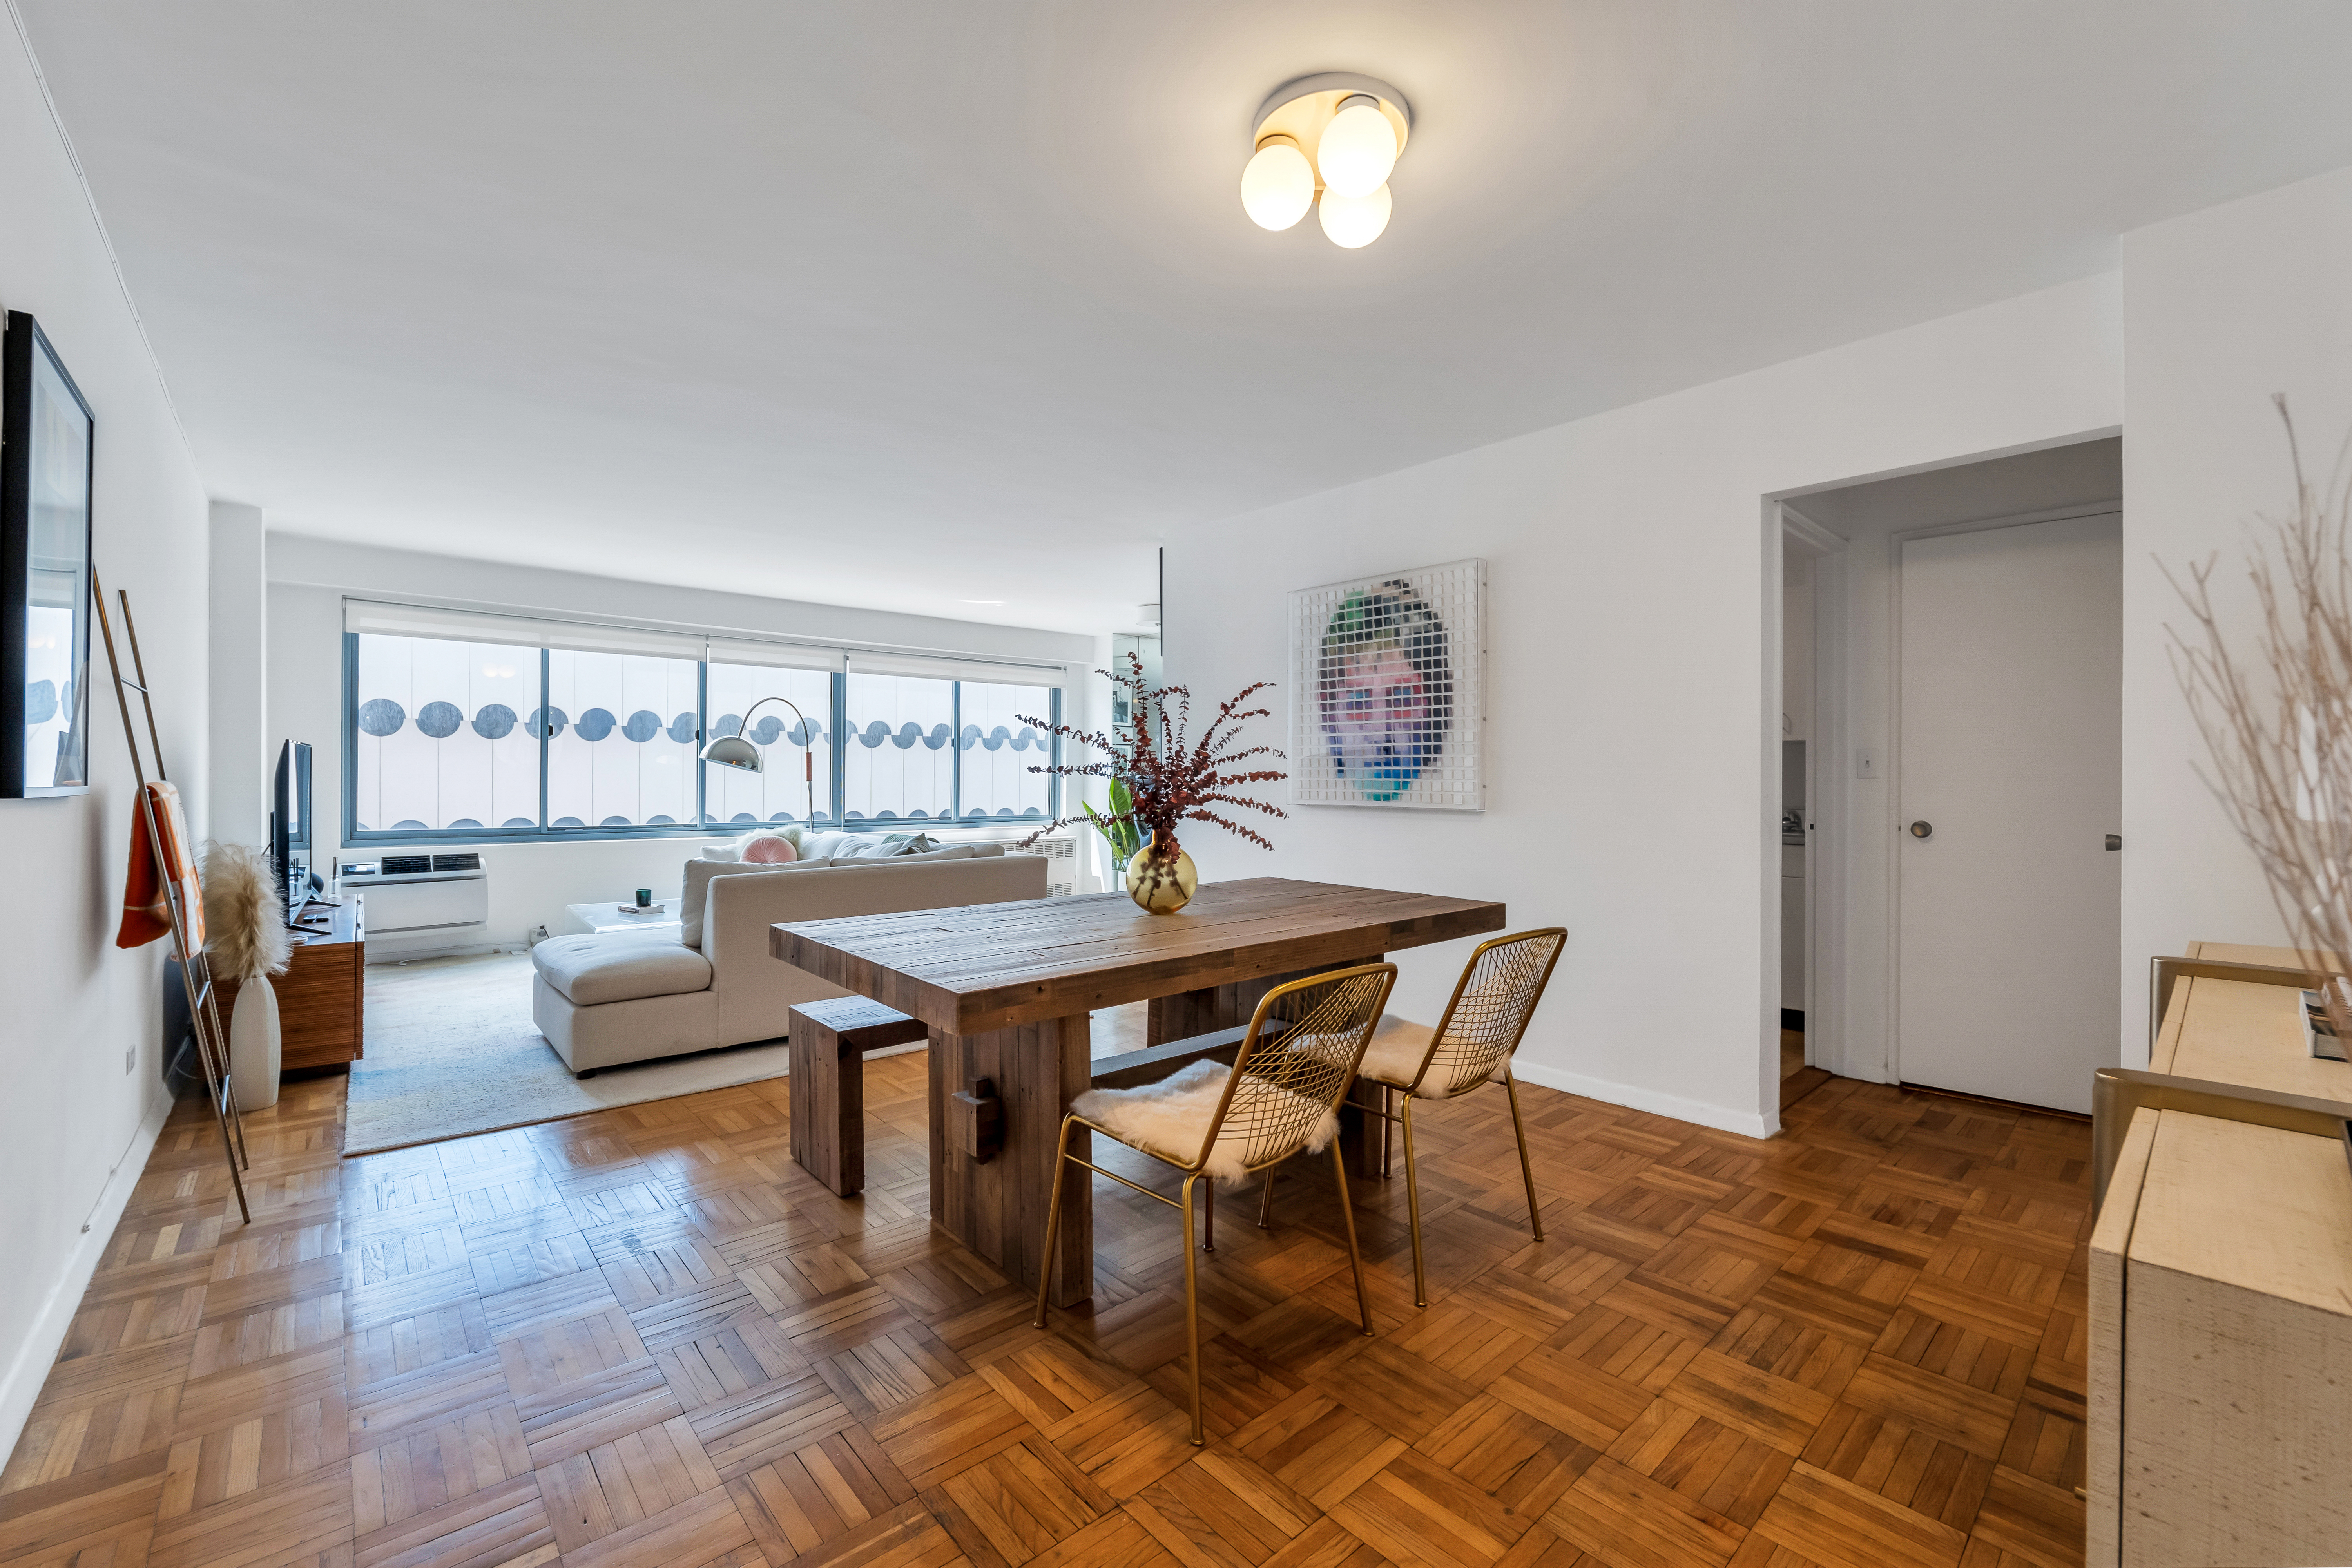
241 755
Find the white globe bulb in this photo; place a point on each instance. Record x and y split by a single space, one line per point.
1353 223
1357 150
1277 185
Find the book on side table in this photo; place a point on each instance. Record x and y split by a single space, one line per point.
624 916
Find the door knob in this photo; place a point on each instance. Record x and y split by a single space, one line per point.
2114 840
1922 830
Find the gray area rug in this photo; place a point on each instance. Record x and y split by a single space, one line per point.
451 1051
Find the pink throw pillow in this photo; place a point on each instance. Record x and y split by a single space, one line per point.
769 849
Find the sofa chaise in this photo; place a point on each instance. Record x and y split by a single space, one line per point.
620 997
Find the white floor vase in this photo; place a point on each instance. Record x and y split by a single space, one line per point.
254 1045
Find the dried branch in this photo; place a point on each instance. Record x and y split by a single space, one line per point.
1170 776
2276 718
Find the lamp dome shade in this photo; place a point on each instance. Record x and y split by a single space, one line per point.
1352 224
1277 184
1357 150
732 751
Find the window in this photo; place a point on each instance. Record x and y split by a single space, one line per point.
438 736
896 763
623 731
448 737
1000 744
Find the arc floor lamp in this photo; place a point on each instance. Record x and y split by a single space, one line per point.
739 751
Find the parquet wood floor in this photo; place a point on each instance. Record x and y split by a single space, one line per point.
646 1337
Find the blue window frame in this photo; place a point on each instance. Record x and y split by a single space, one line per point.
449 740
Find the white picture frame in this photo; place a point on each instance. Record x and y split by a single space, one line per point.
1388 690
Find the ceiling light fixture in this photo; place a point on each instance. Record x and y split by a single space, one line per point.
1336 135
1278 183
1352 223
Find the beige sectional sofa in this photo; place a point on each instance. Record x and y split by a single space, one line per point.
620 997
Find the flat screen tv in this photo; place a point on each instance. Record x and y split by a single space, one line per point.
290 825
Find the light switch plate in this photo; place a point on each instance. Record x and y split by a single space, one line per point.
1865 762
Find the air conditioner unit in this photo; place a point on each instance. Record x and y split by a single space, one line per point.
422 905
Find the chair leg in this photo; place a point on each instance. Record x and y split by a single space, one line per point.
1193 1314
1527 1171
1347 1223
1053 1225
1412 1208
1265 1200
1388 1132
1209 1215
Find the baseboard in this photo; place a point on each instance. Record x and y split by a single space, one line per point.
29 1367
1723 1119
386 953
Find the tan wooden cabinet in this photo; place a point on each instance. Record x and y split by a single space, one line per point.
322 995
2221 1388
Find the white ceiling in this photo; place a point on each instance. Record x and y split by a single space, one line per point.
911 305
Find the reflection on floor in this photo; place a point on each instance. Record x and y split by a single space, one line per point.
645 1336
1797 1080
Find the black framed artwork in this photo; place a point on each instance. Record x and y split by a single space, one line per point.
46 468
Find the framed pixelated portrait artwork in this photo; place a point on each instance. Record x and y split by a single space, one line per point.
1387 684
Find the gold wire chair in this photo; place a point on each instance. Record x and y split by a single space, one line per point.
1280 1097
1473 1043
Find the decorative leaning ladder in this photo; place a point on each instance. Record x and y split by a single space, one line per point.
196 967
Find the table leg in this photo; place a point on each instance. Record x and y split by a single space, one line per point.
828 1105
1359 1135
997 1207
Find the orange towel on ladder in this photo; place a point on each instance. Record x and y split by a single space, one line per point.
145 914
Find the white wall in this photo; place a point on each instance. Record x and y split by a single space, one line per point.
241 755
2222 309
531 882
1633 753
1867 517
75 1122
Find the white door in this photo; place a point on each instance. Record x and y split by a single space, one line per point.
2009 934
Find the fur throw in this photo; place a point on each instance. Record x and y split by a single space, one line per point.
1170 1117
245 929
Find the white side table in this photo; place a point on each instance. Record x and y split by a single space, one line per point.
663 916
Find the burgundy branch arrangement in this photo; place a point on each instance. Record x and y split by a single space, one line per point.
1170 778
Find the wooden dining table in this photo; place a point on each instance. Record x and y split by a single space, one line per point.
1006 991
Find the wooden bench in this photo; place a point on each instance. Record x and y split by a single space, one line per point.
828 1048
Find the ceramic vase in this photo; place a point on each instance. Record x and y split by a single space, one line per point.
1159 883
254 1045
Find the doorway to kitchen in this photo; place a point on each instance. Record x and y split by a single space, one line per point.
1960 776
